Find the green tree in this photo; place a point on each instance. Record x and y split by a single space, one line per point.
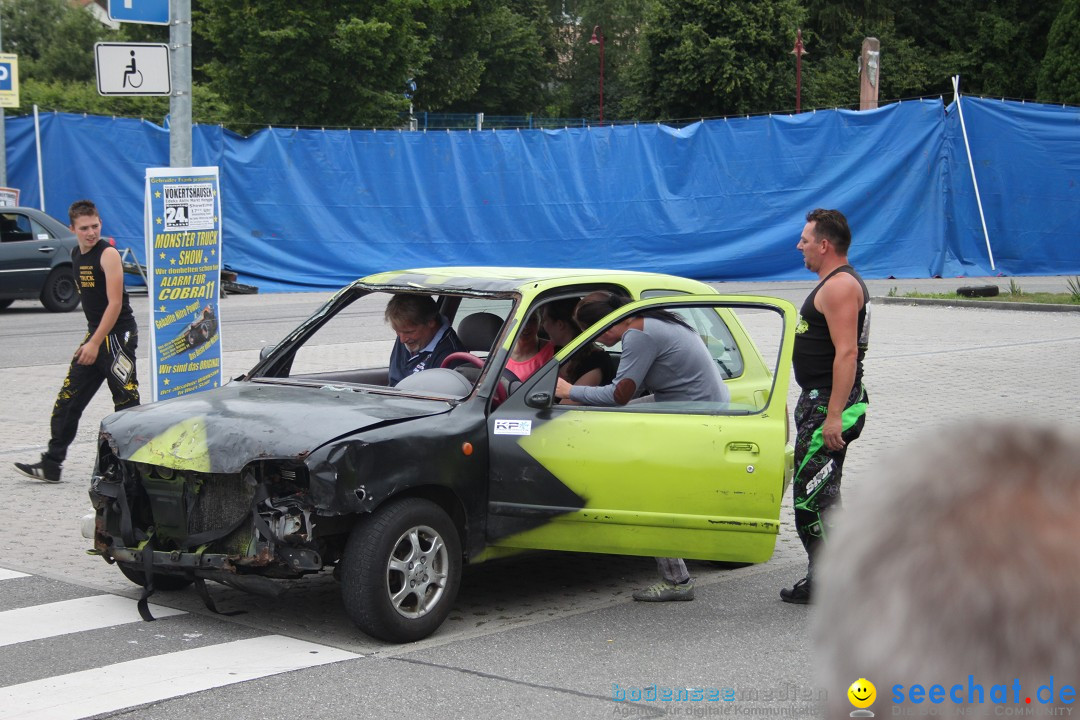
621 24
1059 78
53 39
492 56
338 62
704 59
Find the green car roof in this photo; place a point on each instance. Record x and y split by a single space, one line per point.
518 279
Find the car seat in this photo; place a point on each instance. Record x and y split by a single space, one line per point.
479 331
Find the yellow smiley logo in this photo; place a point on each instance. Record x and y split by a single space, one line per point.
862 693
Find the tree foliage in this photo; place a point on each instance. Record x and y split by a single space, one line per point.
704 58
324 63
362 62
53 39
497 57
1059 78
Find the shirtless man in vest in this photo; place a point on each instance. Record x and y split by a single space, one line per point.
830 343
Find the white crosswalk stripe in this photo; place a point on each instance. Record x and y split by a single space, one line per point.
91 692
70 616
88 691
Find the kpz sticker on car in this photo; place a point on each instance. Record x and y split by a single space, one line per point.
513 427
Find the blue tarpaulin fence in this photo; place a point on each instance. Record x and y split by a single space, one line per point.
715 200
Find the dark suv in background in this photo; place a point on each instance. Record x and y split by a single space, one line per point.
35 260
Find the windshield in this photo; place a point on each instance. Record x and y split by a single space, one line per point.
411 342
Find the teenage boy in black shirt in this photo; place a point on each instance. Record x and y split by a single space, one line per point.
106 353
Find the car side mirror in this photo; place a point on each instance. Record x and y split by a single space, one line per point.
266 351
539 400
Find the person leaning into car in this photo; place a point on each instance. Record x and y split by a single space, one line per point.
663 354
106 353
831 338
424 337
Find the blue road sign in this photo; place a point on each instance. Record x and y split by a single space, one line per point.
152 12
6 75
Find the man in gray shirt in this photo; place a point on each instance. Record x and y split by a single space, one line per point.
664 355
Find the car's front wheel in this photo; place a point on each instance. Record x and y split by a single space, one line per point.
60 293
402 570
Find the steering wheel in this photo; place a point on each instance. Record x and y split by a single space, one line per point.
455 358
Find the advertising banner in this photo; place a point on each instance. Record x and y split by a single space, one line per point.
183 260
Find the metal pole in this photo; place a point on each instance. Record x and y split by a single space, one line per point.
869 70
971 164
598 39
798 52
180 101
40 169
3 132
601 78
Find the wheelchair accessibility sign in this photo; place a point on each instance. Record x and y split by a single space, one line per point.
132 69
9 80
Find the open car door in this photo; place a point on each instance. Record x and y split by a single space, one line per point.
674 479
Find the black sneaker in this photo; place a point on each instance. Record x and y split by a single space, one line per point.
800 594
45 470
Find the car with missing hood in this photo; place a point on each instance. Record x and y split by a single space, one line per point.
310 460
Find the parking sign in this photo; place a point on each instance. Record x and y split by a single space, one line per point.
151 12
9 80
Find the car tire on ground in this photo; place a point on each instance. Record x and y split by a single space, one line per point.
162 581
4 304
60 294
979 291
402 570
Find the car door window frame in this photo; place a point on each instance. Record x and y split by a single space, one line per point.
539 391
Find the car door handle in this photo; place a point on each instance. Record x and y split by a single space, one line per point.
743 447
46 249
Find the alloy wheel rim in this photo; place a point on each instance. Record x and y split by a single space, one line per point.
416 572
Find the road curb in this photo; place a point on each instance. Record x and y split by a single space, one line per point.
992 304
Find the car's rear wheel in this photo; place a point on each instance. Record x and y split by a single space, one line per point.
402 570
60 293
162 581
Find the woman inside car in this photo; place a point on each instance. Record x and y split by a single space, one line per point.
590 365
529 352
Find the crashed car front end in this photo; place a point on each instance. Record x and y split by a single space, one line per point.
196 487
200 524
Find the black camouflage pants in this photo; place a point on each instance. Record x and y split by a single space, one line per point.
818 470
115 365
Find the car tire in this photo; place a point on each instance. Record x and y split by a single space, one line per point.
162 581
979 291
5 304
402 570
60 293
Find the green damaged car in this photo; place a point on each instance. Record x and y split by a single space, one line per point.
311 460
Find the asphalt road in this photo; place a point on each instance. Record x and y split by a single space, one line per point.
543 636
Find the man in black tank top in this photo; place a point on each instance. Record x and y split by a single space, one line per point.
830 343
106 353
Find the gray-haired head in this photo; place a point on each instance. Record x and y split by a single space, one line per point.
961 567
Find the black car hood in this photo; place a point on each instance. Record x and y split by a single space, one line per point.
222 430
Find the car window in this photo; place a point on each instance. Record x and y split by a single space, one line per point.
355 338
353 344
478 322
40 233
712 329
16 227
744 343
